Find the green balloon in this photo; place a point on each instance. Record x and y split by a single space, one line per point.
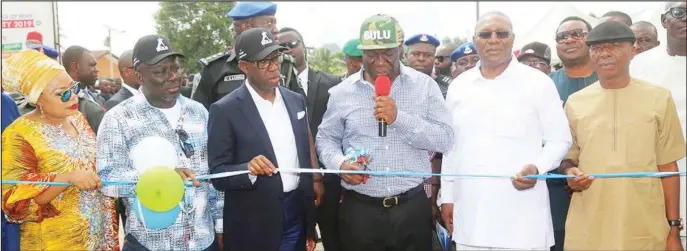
160 189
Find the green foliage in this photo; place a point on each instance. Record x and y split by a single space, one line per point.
454 40
323 60
196 29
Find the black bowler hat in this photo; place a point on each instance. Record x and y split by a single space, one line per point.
610 32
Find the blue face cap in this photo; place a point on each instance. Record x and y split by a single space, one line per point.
422 38
467 48
244 10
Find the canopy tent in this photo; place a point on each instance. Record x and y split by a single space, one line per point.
653 16
545 30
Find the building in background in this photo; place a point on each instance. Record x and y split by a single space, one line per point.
107 64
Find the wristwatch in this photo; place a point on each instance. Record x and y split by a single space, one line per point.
676 223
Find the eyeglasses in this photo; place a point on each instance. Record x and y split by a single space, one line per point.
576 34
265 63
676 12
535 63
292 44
440 59
185 146
490 34
66 95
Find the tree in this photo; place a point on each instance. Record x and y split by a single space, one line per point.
455 40
196 29
323 60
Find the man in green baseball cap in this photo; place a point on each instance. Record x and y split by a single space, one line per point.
354 57
413 108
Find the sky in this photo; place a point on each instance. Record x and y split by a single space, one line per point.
84 23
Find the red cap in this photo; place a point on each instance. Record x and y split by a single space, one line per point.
35 35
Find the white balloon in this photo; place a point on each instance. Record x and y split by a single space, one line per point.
153 151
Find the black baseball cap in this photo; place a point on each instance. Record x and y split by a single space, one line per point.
255 44
152 49
536 49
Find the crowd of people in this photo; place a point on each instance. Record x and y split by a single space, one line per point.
617 105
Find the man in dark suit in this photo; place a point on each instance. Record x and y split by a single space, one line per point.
263 127
317 84
130 86
81 66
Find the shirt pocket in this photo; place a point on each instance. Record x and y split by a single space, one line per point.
640 144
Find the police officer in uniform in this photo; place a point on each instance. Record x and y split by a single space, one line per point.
354 57
420 56
464 58
220 73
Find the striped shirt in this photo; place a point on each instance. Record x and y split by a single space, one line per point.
422 125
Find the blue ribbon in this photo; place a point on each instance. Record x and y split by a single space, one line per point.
380 173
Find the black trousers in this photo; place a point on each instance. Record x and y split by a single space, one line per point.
328 213
369 226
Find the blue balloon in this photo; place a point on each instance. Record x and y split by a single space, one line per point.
155 220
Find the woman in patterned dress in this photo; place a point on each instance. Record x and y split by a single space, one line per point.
53 143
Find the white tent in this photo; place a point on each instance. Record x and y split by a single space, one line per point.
545 30
653 16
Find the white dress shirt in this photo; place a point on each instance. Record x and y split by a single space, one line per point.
276 118
303 78
657 67
500 125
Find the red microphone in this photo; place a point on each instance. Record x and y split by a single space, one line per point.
382 88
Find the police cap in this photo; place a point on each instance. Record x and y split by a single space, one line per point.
610 32
467 48
422 38
351 48
244 10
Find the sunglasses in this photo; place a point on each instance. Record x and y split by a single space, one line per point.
535 64
66 95
676 12
440 59
291 45
490 34
185 146
577 34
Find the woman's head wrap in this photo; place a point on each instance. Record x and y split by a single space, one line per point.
29 72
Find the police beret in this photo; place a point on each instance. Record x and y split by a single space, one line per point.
609 32
245 10
351 48
422 38
467 48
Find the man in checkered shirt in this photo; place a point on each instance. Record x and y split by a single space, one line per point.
385 212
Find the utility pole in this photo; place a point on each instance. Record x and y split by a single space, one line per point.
108 43
477 11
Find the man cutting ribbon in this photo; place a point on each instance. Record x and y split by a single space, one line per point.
371 213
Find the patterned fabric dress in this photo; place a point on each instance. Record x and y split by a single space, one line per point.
75 219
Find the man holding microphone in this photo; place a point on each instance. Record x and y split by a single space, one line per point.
385 212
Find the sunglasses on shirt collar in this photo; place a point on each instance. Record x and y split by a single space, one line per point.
66 95
186 147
